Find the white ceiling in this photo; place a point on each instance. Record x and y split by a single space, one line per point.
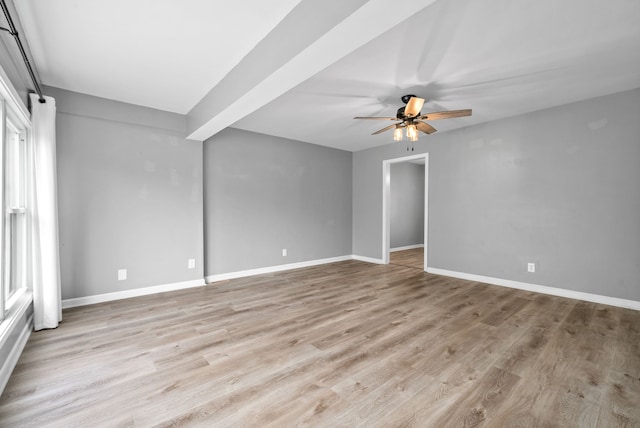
499 57
164 54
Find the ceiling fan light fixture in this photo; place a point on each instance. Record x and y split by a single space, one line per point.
397 133
412 132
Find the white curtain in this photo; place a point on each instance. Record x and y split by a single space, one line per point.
47 306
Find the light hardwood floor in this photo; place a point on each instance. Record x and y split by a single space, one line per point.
340 345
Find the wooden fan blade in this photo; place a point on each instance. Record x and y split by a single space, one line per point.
425 127
376 118
413 107
446 114
386 128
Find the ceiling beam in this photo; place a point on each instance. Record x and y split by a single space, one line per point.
323 35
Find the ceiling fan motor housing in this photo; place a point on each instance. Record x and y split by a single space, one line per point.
405 98
400 113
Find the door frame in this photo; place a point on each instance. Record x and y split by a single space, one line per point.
386 209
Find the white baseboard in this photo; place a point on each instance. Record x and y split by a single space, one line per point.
14 355
107 297
277 268
368 259
561 292
406 247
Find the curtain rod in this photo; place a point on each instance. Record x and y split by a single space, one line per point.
12 30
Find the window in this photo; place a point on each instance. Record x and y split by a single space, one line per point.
15 186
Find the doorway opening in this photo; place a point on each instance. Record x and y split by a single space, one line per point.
386 204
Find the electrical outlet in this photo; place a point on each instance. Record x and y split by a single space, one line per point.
191 263
122 274
531 267
284 252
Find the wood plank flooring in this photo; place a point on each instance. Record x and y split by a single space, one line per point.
411 258
347 344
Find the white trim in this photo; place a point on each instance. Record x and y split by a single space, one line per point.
108 297
595 298
368 259
386 209
14 355
277 268
3 203
406 247
9 93
561 292
18 304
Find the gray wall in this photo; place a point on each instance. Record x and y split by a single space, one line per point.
263 194
406 202
558 187
129 196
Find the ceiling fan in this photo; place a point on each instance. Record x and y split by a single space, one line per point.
409 118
